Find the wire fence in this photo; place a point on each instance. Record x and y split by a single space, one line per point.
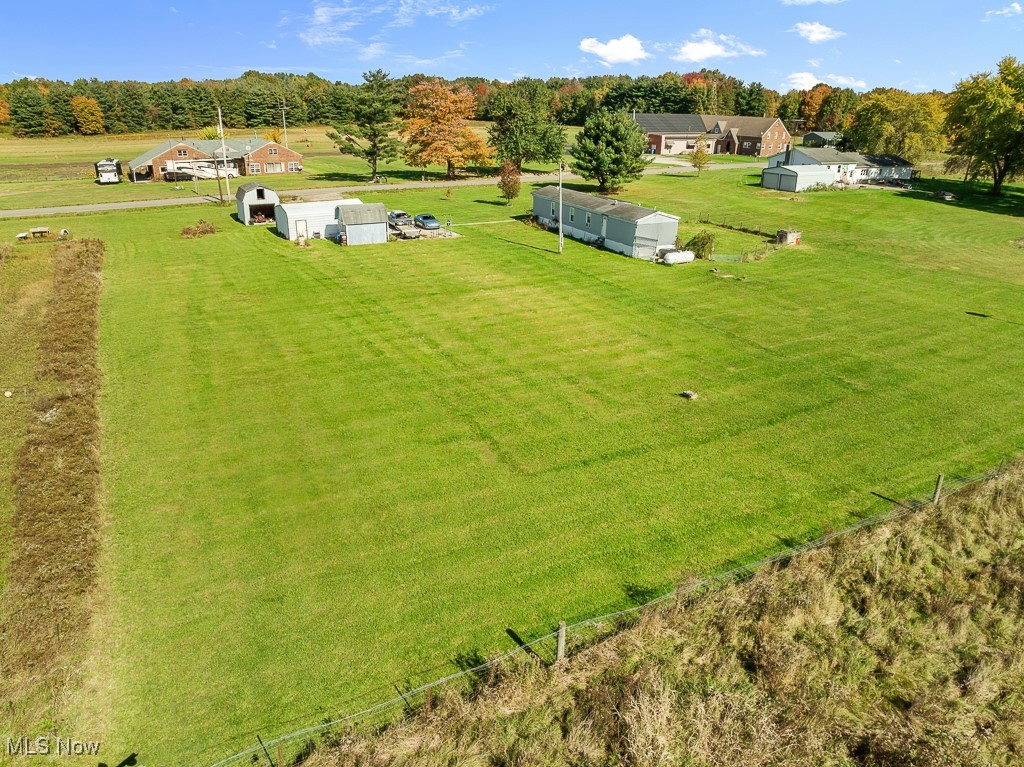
414 699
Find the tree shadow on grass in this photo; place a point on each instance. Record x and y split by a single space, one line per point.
640 594
499 203
974 196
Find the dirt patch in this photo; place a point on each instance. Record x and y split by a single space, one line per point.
56 489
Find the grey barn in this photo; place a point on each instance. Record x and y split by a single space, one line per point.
620 226
256 200
363 224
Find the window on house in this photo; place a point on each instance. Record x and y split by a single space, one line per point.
572 214
273 167
182 153
746 145
552 210
294 167
272 150
588 218
261 194
254 168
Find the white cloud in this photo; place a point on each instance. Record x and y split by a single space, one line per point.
372 51
329 21
814 62
620 50
897 61
845 82
705 45
811 2
411 12
1013 9
173 9
272 44
804 81
814 32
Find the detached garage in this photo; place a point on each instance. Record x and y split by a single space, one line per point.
310 220
256 203
796 178
363 224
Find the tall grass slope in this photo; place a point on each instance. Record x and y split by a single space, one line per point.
901 645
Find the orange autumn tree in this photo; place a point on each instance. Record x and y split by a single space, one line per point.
5 112
435 130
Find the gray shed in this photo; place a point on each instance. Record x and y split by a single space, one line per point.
255 199
364 224
620 226
796 178
309 220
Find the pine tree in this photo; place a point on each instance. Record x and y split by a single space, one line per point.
374 118
27 107
609 150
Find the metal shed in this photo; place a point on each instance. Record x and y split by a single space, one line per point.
796 178
309 220
256 200
623 227
363 224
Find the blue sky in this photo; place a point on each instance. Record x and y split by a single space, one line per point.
914 44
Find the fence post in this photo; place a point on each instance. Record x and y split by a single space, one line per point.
938 489
560 648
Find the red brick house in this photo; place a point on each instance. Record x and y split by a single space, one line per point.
678 134
244 157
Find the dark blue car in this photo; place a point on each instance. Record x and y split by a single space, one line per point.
426 221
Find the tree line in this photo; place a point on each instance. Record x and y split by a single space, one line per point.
981 123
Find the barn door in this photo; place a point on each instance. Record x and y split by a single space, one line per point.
301 230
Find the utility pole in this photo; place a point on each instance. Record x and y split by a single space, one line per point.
561 239
224 153
284 122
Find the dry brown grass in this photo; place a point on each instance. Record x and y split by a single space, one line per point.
900 645
200 229
56 486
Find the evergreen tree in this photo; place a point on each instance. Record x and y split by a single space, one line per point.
610 150
524 130
374 118
27 107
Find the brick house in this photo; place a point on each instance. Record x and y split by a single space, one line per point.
244 157
678 134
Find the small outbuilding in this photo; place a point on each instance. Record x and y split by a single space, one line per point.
256 203
363 224
796 178
822 138
310 220
623 227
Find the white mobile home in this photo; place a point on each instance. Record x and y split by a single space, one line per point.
363 224
620 226
310 220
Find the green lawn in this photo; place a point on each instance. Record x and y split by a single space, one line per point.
329 469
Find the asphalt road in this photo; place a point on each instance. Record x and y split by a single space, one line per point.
329 192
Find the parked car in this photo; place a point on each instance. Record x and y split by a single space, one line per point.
426 221
399 218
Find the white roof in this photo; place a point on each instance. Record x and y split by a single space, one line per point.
317 205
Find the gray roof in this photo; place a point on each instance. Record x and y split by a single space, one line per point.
743 125
248 186
697 124
237 147
828 135
884 161
828 155
597 204
366 213
652 123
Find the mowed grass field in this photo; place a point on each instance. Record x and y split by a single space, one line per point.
44 172
329 470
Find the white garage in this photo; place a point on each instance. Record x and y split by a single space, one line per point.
310 220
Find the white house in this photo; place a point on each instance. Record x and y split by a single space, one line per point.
310 220
846 167
620 226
